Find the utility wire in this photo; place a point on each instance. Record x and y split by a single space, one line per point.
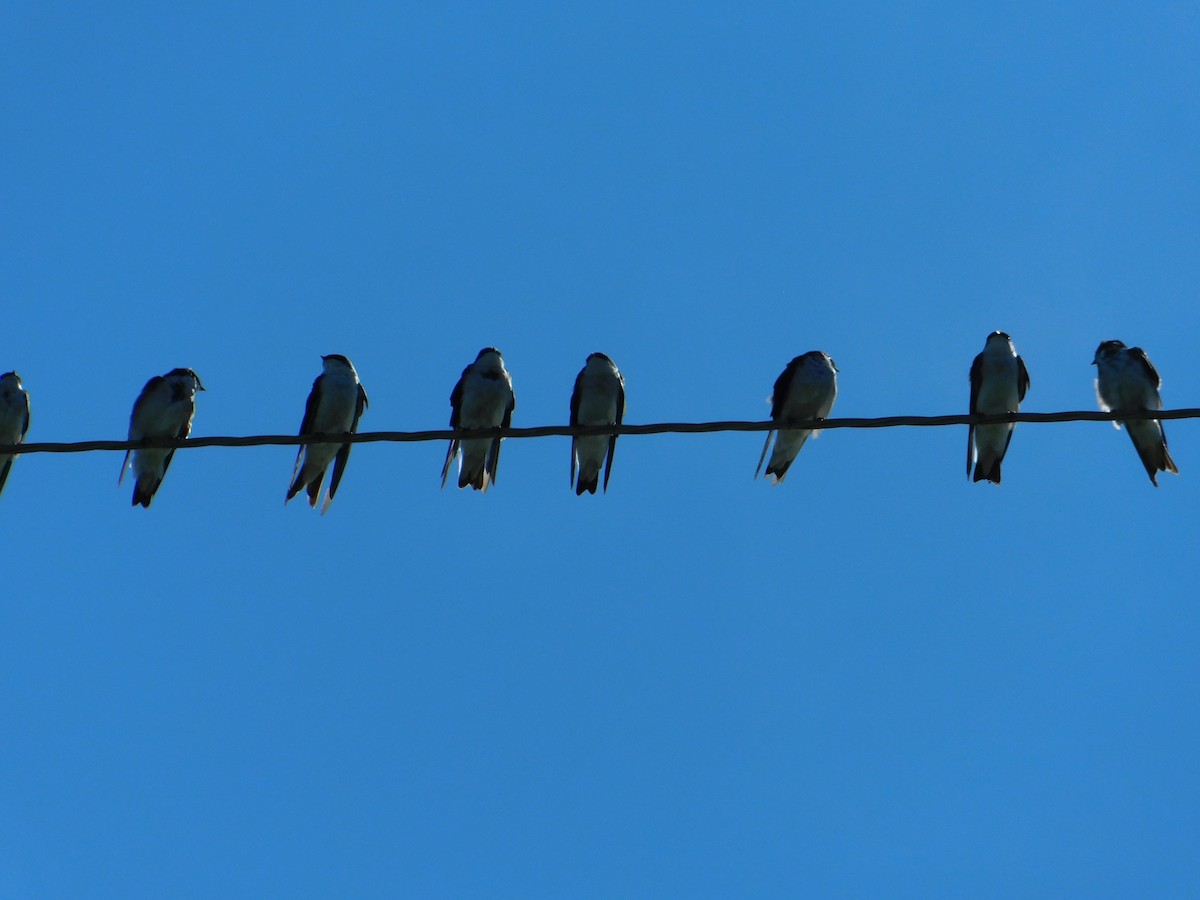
445 434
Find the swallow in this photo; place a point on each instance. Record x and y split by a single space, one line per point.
1126 380
483 398
14 419
598 399
999 381
805 391
336 402
164 409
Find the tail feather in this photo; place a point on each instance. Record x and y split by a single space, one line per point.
143 491
297 484
1152 472
991 473
474 469
477 479
779 471
1151 446
589 479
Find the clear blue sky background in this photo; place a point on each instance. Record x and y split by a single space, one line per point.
877 679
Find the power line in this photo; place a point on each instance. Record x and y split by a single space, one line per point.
445 434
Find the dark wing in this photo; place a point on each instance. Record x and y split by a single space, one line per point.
184 430
612 443
310 407
575 395
151 385
493 463
1148 367
343 455
339 466
8 464
456 398
1022 379
778 398
976 379
762 456
782 383
310 417
455 408
450 451
24 428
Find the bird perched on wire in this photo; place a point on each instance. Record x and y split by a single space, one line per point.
336 402
999 381
164 409
598 399
14 418
1126 381
805 391
483 398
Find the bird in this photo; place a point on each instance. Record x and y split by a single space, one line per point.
483 398
804 391
598 399
164 409
14 419
999 381
336 402
1127 381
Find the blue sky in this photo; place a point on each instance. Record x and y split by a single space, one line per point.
875 680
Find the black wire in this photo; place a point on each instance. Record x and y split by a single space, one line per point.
445 434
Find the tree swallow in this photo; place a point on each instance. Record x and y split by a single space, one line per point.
1126 380
334 405
806 390
164 409
14 418
598 399
483 398
998 385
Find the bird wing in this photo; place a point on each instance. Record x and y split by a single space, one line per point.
576 394
455 410
782 384
138 404
493 463
976 380
1147 367
343 454
612 441
184 430
309 420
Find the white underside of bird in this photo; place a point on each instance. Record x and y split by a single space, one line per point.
810 394
483 405
598 400
1126 380
998 376
336 413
